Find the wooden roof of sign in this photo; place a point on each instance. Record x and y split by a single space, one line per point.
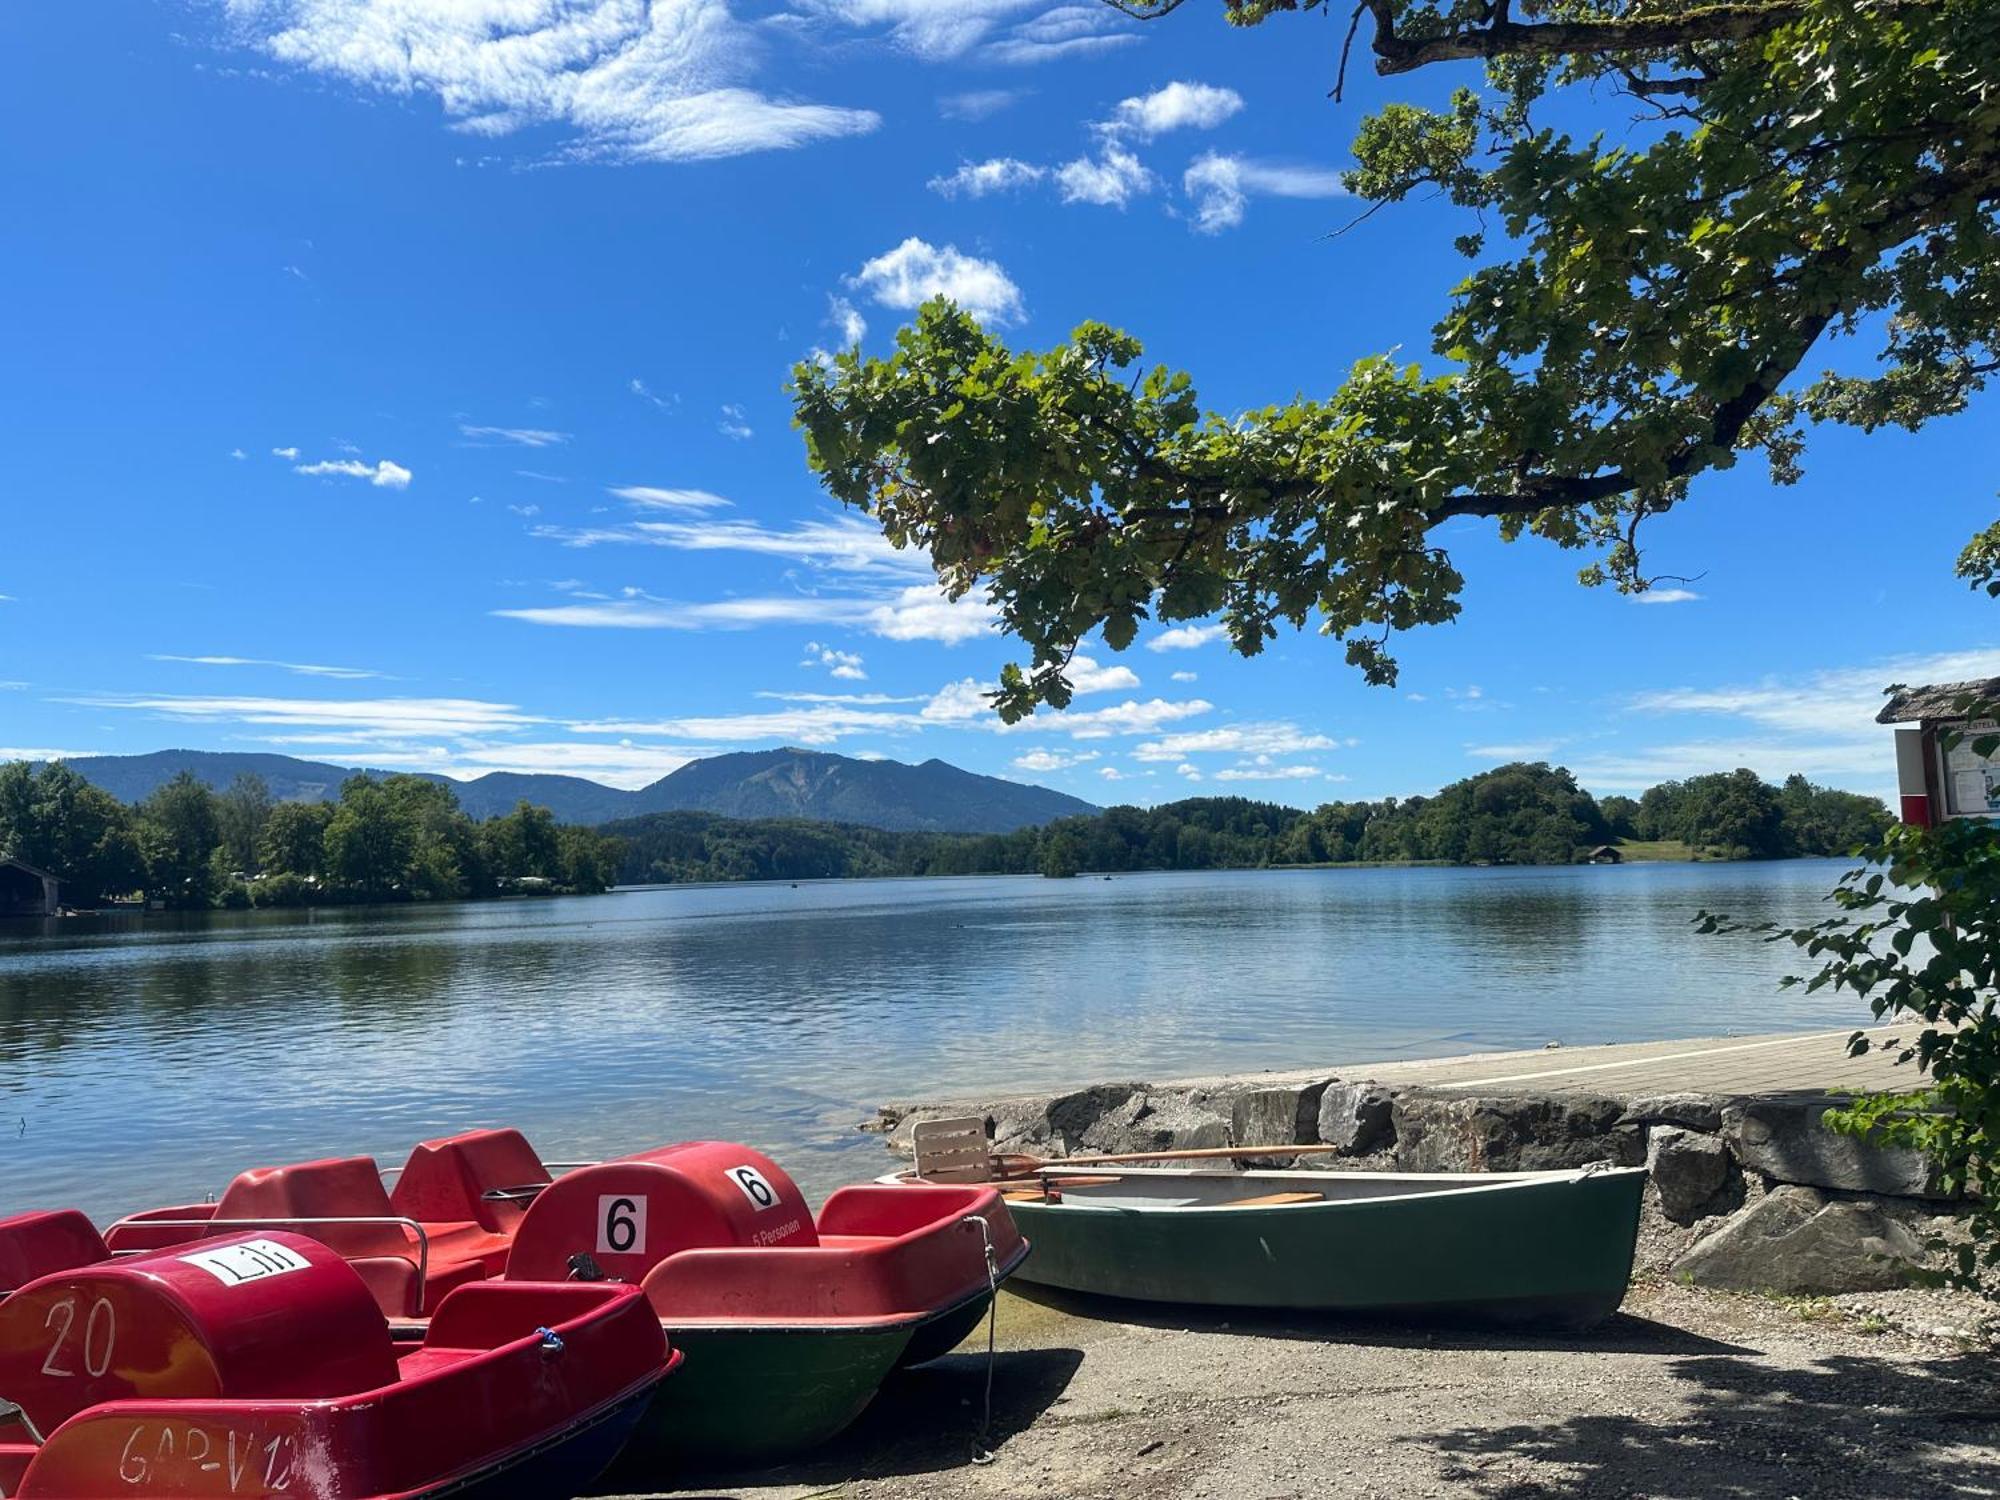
1942 700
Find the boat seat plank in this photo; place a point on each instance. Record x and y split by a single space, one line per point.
1275 1200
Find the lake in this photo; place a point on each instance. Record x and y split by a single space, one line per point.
147 1059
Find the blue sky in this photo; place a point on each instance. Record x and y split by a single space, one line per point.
401 383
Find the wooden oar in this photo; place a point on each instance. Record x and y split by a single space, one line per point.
1013 1164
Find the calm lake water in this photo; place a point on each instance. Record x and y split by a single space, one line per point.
145 1060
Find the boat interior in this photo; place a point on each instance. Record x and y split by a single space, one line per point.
1172 1187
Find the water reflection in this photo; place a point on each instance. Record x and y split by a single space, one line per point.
143 1059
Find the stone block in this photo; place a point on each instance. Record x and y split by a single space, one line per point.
1440 1131
1276 1116
1786 1141
1796 1242
1689 1172
1688 1111
1357 1117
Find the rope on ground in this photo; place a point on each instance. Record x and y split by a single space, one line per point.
979 1453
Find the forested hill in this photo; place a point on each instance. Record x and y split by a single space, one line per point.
787 783
1516 814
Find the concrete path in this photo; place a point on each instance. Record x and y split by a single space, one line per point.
1810 1062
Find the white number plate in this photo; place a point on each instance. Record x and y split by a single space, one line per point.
253 1260
754 1187
621 1224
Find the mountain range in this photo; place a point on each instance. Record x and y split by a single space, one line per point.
790 783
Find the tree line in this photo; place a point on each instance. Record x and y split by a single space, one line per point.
389 838
1525 813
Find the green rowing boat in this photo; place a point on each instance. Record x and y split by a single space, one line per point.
1508 1247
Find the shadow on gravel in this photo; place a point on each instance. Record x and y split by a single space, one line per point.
924 1421
1622 1333
1845 1425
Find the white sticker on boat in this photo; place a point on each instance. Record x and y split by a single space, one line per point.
754 1187
253 1260
621 1224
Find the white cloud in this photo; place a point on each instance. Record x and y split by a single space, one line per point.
1111 773
846 320
659 499
1279 737
977 179
923 613
818 724
1186 637
916 271
734 425
523 437
385 474
645 393
629 82
1665 596
667 614
1525 750
1066 31
933 30
406 716
1185 676
1044 761
843 544
843 664
1129 717
288 454
1221 186
1178 106
1086 676
1264 769
298 668
238 453
1189 769
977 104
1113 178
42 752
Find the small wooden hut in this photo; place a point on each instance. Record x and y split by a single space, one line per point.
1939 774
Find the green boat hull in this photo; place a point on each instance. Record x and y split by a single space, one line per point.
1556 1249
749 1397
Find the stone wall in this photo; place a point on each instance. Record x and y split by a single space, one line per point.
1748 1194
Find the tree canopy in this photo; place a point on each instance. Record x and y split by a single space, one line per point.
1640 313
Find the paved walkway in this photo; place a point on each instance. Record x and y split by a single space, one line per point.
1809 1062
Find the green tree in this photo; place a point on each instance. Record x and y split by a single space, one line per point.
1737 812
1620 815
295 838
369 842
1062 855
242 811
524 842
588 858
56 820
179 833
1648 309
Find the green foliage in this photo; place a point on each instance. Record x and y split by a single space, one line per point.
295 839
241 813
57 821
1918 938
1736 815
1802 171
178 835
1516 814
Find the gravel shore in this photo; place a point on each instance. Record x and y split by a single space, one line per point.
1685 1395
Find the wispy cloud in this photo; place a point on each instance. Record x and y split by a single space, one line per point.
977 179
845 320
297 668
841 544
1521 750
1264 768
1222 186
384 474
1665 596
645 393
734 425
915 271
1112 178
667 81
978 104
661 499
1278 737
1043 762
1186 637
1181 105
842 664
417 716
523 437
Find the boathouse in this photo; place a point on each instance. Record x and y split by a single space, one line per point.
1604 854
26 891
1939 773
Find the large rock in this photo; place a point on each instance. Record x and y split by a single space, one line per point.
1689 1172
1793 1240
1166 1121
1688 1111
1356 1117
1786 1141
1447 1132
1277 1116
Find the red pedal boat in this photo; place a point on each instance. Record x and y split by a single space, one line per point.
790 1321
259 1364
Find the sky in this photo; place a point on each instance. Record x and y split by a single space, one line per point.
401 383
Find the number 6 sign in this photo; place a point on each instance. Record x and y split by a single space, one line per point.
621 1224
754 1186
